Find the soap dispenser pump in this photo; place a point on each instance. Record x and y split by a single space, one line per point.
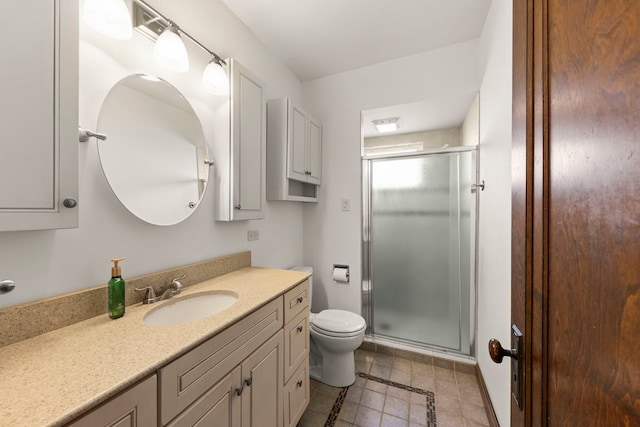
116 291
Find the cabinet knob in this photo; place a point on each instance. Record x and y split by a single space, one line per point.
299 383
239 391
248 381
300 299
238 206
69 203
299 328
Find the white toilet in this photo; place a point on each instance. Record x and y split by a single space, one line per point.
335 335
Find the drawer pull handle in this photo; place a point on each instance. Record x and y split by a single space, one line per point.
299 383
299 328
248 381
239 391
300 299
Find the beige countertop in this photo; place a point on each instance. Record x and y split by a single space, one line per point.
54 377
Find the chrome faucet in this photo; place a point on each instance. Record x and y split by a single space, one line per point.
172 289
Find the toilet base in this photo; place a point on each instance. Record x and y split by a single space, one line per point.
336 370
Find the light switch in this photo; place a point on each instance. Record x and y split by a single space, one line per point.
253 235
346 205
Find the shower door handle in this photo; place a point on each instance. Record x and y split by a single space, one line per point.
497 353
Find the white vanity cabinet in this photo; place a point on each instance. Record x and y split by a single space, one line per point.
254 373
237 374
294 152
240 162
39 115
135 407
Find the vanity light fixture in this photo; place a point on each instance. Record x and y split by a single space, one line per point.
214 79
156 26
110 18
169 51
387 125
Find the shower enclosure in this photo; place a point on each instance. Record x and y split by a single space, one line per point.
419 248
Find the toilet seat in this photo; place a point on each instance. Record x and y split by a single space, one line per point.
337 323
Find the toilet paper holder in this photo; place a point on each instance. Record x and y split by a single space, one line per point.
341 273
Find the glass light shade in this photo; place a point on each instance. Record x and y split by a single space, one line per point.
110 18
215 80
170 53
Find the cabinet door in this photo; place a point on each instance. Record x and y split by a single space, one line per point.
38 115
220 406
248 139
314 152
135 407
297 149
262 401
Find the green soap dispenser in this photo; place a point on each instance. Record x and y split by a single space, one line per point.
116 291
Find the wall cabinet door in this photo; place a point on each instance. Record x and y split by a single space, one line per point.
39 115
262 372
241 163
136 407
297 149
304 146
314 157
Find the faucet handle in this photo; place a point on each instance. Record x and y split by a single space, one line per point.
177 284
149 297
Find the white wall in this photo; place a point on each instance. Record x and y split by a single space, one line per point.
331 235
494 272
46 263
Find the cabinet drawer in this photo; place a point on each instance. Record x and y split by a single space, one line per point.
296 343
296 395
134 407
296 300
188 377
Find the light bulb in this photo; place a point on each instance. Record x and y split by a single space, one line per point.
215 80
108 17
169 51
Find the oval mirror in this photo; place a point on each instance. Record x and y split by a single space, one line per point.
155 157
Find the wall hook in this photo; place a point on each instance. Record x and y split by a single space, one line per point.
85 134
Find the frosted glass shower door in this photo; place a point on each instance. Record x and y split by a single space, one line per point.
420 249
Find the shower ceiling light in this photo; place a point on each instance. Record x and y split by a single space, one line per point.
387 125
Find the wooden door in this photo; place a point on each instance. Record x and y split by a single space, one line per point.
576 211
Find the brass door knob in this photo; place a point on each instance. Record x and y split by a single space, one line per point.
497 353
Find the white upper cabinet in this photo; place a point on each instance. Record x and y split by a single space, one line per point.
241 161
39 115
294 152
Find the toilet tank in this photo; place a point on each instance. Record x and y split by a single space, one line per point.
307 270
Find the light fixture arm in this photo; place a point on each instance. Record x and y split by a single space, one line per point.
182 31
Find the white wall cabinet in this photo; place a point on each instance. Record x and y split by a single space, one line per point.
294 152
240 162
39 115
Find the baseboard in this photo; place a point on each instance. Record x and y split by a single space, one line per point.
491 414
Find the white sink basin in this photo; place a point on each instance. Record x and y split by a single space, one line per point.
189 308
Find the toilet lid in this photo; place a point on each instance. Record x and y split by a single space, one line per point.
337 322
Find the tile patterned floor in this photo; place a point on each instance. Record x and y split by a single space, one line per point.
394 391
